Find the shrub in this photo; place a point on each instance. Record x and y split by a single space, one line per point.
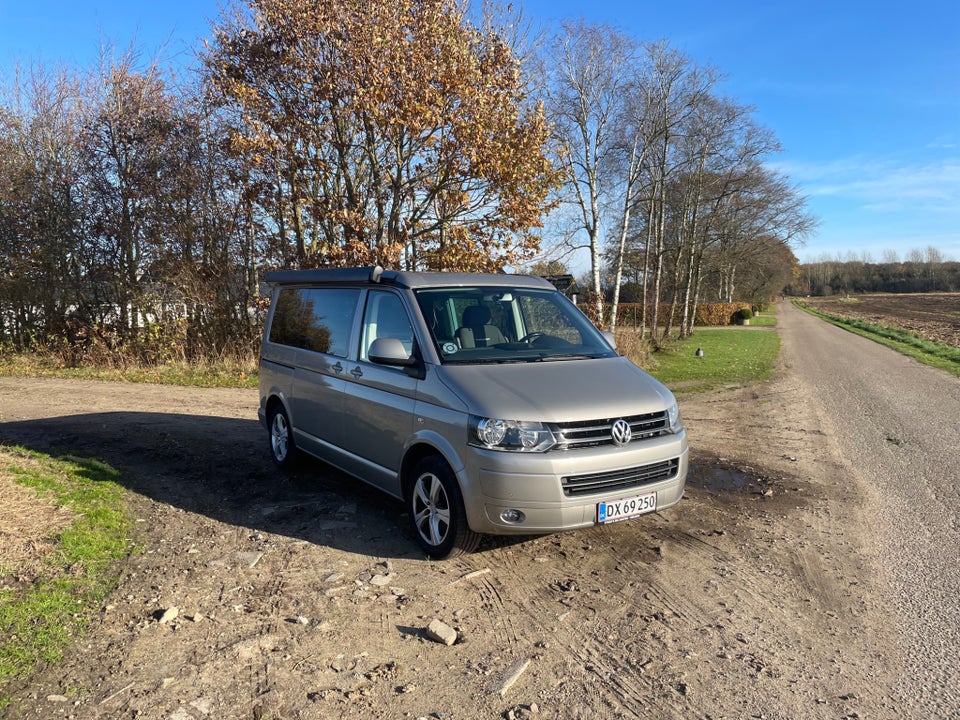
741 315
629 344
709 314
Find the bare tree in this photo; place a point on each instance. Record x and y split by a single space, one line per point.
40 217
589 80
730 151
123 152
171 261
676 88
707 194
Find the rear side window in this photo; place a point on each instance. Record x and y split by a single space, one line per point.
318 319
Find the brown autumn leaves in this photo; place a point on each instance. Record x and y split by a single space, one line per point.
399 132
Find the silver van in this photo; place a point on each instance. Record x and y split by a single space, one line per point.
487 403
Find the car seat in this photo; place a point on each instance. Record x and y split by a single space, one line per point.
476 330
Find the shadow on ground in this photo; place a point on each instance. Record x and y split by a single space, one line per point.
221 468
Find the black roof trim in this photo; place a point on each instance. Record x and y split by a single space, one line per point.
398 278
327 275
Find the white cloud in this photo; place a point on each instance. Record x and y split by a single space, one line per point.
882 185
944 142
867 205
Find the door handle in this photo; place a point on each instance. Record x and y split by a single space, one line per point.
338 368
357 373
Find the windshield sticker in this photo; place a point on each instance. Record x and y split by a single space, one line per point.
449 348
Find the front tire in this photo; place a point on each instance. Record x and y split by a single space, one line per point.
437 513
283 450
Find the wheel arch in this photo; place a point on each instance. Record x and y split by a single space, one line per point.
423 446
273 401
437 503
415 453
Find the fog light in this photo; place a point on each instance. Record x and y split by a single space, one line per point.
513 517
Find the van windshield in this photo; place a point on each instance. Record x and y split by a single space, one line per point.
485 324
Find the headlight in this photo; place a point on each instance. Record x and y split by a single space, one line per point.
676 422
511 435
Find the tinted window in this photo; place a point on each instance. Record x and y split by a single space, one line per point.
318 319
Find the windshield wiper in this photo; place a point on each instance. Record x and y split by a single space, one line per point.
564 356
485 361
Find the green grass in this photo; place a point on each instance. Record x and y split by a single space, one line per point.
38 621
763 320
204 375
731 357
938 355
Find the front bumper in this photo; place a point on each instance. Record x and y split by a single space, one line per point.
532 484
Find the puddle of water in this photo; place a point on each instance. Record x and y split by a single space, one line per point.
719 479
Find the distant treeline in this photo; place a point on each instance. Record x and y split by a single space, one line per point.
835 277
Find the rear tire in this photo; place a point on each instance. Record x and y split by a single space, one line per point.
436 511
283 450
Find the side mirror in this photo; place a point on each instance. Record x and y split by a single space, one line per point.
390 351
611 340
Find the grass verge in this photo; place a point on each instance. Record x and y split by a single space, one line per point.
235 375
938 355
730 357
41 616
764 320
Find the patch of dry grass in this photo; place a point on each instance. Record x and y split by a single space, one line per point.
630 344
29 526
224 374
63 529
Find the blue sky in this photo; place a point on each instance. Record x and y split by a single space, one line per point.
863 96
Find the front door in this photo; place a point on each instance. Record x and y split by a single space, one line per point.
379 401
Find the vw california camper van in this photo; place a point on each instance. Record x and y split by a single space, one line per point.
486 403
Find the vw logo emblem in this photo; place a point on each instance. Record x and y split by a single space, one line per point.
621 432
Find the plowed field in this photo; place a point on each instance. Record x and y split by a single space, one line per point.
933 316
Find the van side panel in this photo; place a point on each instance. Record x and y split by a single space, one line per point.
308 339
381 418
316 404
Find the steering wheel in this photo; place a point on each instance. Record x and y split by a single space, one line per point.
530 337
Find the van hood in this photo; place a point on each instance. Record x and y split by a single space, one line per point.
557 391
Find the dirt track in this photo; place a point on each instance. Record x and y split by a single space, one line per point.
758 596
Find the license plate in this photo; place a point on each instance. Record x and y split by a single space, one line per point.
615 510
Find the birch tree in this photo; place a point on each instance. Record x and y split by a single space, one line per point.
589 80
677 86
708 197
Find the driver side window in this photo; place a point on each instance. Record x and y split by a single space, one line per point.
385 317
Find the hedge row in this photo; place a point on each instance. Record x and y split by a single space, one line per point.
631 314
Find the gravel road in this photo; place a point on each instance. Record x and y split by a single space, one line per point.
808 574
897 424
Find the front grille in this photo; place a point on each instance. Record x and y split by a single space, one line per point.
591 433
616 480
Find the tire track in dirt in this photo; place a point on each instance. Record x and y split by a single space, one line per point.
696 613
602 607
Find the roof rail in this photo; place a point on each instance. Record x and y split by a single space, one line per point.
324 275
